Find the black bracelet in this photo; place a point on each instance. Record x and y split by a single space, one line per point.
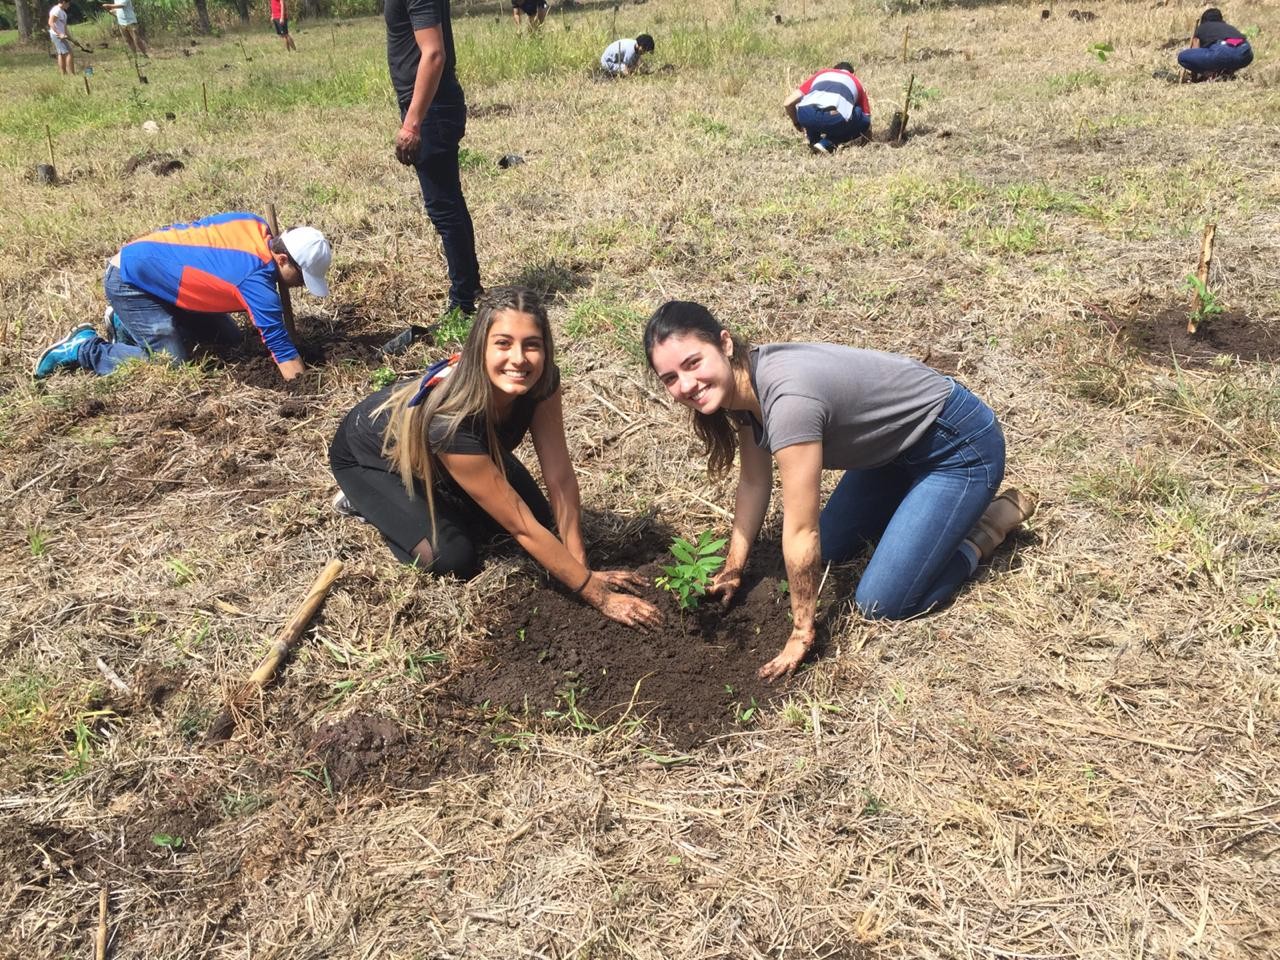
583 585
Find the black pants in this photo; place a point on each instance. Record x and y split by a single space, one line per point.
437 166
461 525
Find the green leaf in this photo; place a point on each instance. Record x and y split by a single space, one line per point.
682 551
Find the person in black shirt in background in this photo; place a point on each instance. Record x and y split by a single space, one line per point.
433 115
1217 49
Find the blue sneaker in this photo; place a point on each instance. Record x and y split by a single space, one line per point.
63 355
823 146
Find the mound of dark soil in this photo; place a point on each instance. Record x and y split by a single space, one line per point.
365 749
161 164
695 676
1163 338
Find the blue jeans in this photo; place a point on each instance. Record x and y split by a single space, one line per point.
1217 58
819 123
920 507
441 182
152 326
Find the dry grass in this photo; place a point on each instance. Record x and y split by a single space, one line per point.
1080 758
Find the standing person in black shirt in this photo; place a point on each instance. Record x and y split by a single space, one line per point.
433 115
1217 49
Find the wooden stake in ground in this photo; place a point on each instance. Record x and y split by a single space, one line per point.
225 722
905 34
906 110
49 140
100 938
1202 274
285 303
204 96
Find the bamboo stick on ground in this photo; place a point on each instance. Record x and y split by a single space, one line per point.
1202 274
100 938
906 110
285 303
225 722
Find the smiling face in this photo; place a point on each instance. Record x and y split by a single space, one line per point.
696 373
514 354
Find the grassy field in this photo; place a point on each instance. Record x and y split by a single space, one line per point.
1081 757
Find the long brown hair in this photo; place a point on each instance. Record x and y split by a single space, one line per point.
466 392
677 318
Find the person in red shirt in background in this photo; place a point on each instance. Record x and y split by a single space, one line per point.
175 287
280 20
831 108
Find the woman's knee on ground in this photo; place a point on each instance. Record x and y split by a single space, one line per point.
878 603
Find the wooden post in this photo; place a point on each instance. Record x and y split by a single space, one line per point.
225 722
100 938
906 110
49 139
286 304
86 83
1202 273
905 34
204 96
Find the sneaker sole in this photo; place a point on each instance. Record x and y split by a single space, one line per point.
35 367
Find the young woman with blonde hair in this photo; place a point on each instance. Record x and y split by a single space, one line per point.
431 465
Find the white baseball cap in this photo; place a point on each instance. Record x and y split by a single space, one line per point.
312 253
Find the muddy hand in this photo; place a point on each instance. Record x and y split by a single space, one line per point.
407 144
792 655
725 585
623 580
629 610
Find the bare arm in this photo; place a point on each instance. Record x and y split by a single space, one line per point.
431 58
750 503
480 477
789 105
801 469
547 430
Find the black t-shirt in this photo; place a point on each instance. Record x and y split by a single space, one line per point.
362 429
1210 32
403 17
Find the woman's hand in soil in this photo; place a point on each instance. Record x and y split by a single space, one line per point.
792 655
622 607
725 585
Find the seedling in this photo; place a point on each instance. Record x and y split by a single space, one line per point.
744 715
382 377
689 579
169 841
1101 50
37 541
1205 305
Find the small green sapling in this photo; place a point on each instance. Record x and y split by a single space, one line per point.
689 578
1207 302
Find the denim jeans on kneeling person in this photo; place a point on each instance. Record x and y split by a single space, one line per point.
150 326
1219 57
441 182
919 507
819 122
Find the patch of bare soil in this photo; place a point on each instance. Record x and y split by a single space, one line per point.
363 749
696 675
1164 339
160 163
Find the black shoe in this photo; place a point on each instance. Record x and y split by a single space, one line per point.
403 340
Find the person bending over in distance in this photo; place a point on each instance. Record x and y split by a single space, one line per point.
622 57
280 21
535 10
431 465
61 41
433 121
175 287
127 21
830 108
1217 49
922 458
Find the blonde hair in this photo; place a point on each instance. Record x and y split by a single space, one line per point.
467 392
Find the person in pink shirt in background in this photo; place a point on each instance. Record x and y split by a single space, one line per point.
280 20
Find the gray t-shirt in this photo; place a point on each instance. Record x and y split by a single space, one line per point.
866 407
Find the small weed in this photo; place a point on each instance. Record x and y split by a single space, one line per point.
470 159
743 716
319 777
571 713
168 841
241 804
414 663
182 572
1209 305
1102 49
666 759
872 805
453 327
382 377
37 542
922 95
689 579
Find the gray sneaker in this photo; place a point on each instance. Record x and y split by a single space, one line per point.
342 506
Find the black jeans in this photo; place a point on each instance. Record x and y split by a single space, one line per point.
437 166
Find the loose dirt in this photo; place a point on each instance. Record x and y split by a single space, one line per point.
363 749
695 677
1164 339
